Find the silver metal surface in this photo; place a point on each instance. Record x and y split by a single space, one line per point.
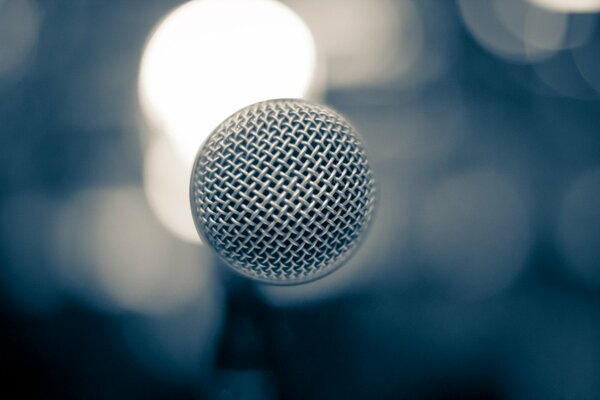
283 191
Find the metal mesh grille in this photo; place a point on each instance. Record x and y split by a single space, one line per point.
283 191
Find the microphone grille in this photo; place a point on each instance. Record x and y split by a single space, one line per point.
283 191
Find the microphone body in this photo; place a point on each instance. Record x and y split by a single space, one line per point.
283 191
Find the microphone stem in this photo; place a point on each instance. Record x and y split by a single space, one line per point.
245 360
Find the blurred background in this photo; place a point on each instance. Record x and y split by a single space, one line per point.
480 277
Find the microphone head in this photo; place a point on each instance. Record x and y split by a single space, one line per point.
282 190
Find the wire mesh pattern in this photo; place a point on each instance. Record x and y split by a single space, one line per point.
283 191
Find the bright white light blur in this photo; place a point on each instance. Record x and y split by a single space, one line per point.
166 184
579 227
514 29
474 233
209 58
569 6
19 26
115 255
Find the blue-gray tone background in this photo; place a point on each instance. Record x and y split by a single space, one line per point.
480 277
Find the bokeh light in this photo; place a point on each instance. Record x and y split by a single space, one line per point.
116 256
19 27
515 30
579 227
364 43
562 75
587 59
209 58
474 233
569 6
166 184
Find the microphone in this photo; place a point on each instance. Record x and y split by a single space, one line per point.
283 191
